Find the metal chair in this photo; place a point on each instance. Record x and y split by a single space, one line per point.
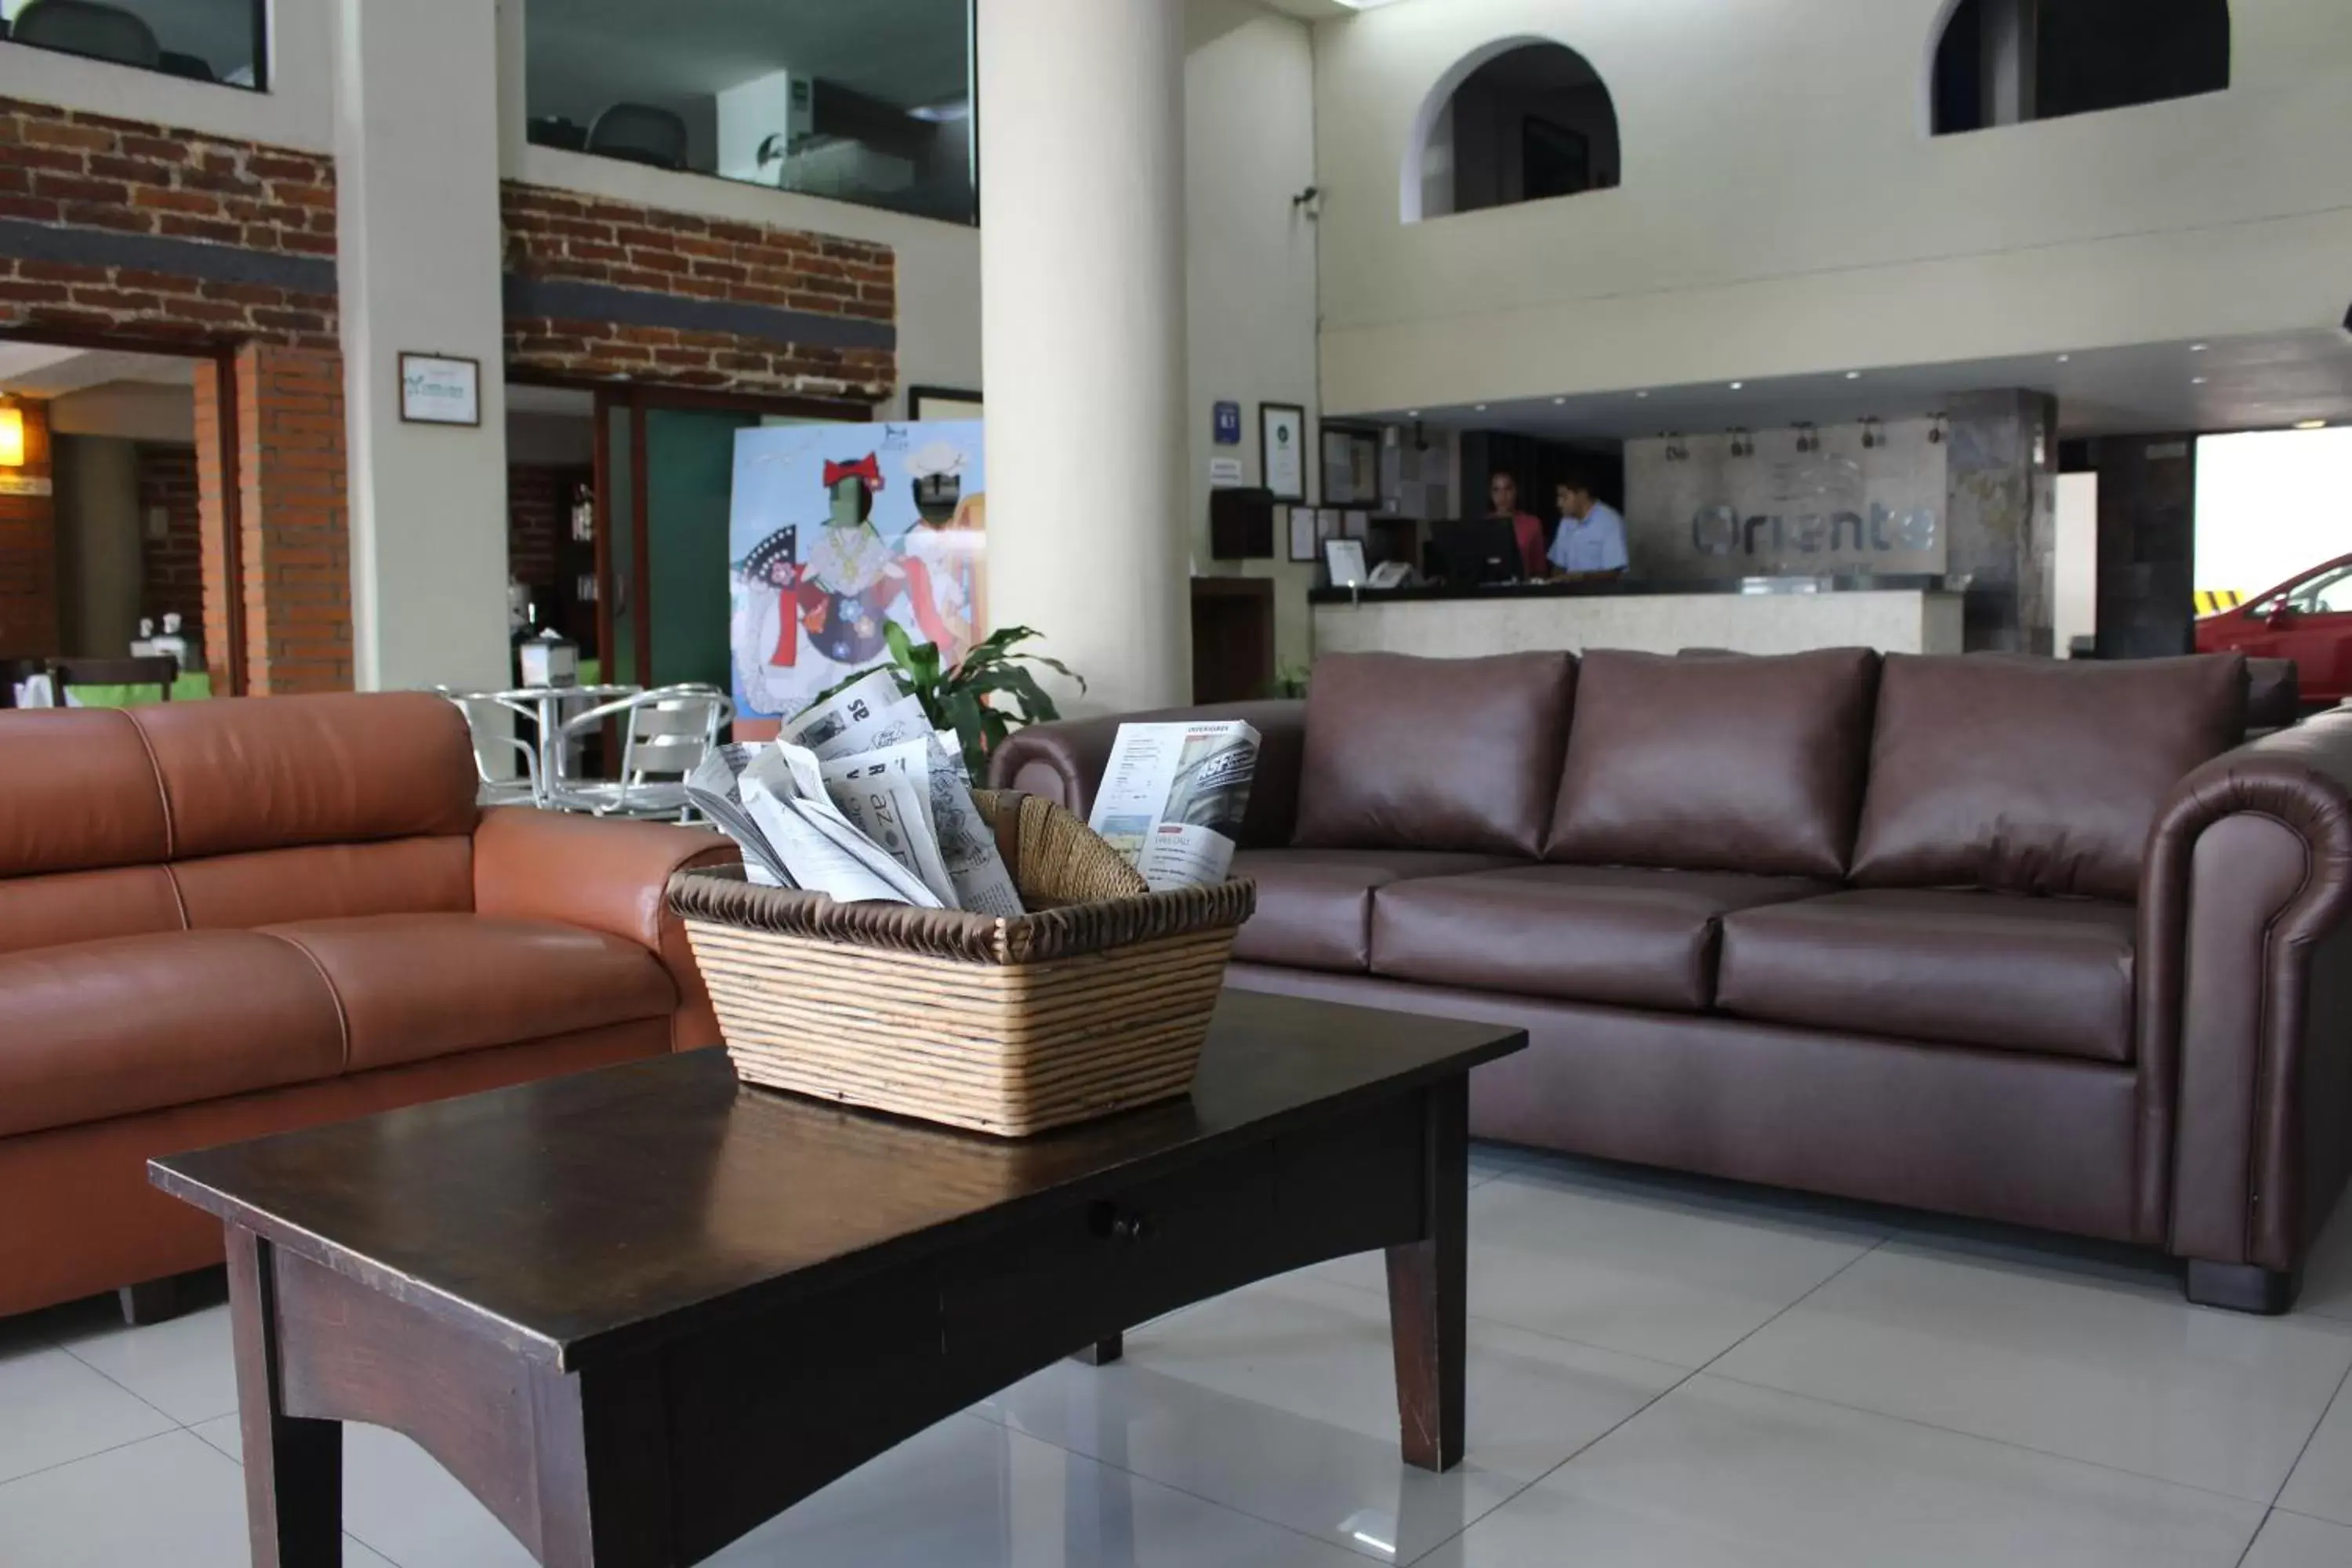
83 28
491 790
665 735
158 671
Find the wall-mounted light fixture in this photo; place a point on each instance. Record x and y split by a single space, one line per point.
1869 435
1936 429
12 438
1808 439
1743 445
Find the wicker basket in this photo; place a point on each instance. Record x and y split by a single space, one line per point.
1096 1001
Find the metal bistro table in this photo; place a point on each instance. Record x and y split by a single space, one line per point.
543 706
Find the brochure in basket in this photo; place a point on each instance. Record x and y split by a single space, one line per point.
1173 796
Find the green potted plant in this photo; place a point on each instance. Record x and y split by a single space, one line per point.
963 695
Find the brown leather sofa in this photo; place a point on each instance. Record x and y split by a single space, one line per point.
219 919
2018 938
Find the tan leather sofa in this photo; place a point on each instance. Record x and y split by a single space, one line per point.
2031 940
220 920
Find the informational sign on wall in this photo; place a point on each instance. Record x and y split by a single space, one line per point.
838 530
1226 419
1831 500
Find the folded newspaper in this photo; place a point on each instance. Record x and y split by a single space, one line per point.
860 799
1172 798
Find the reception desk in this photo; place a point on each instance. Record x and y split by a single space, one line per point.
1774 615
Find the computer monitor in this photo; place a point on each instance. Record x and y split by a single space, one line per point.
1476 551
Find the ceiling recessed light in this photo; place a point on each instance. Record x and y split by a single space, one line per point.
1481 408
2196 380
2197 347
2311 424
1737 384
2064 358
1557 401
1854 375
1641 394
1412 412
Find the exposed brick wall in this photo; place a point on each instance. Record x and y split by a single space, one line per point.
558 237
65 169
28 549
172 568
294 521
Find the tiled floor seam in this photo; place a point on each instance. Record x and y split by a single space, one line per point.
95 1453
1586 1448
2248 1549
2310 1438
126 1388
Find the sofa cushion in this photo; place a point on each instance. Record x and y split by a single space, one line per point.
1959 968
106 1028
1628 935
2034 775
335 768
419 985
80 792
1716 764
87 906
328 881
1434 753
1315 906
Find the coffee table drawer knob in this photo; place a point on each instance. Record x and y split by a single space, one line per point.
1120 1225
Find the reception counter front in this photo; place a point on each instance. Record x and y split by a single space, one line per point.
1756 615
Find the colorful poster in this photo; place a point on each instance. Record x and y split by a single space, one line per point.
838 529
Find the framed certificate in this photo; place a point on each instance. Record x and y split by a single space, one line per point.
1345 558
1282 450
440 389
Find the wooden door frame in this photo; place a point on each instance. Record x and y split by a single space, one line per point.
639 398
220 356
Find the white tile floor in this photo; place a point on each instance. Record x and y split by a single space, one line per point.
1661 1372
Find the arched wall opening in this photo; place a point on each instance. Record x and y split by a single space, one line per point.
1521 120
2005 62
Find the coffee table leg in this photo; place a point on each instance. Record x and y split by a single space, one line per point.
293 1466
1429 1289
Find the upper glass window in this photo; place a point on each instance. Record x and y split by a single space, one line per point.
1521 123
2001 62
869 102
223 41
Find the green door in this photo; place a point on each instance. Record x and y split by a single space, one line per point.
689 483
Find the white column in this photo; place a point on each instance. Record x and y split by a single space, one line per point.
416 169
1082 333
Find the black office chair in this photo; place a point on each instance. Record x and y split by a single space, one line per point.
554 131
640 133
85 28
171 62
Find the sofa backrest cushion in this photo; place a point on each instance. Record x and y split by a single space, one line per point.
78 791
1723 763
2034 775
85 906
1434 753
338 768
328 881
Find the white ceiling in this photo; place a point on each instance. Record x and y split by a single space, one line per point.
43 370
2231 384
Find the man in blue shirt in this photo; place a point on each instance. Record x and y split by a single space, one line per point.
1591 543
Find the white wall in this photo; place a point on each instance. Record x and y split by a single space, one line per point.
2271 503
1249 148
297 111
1784 211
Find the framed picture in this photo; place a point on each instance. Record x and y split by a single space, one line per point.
1282 450
942 402
440 389
1302 534
1345 557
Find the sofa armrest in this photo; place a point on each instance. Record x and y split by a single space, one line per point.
2245 998
1064 761
608 875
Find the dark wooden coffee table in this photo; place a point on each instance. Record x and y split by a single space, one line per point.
639 1310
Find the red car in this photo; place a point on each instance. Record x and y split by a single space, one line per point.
2307 619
